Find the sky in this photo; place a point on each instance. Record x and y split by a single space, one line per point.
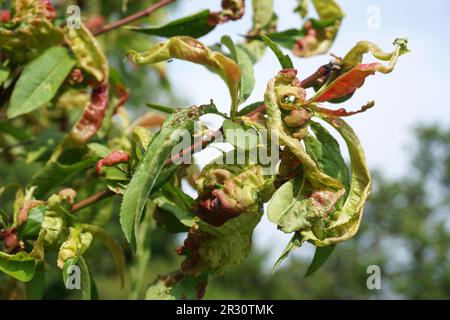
414 93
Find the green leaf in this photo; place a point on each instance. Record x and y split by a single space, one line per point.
325 151
54 174
195 26
113 247
247 109
295 242
348 218
240 55
285 60
40 81
32 227
240 135
175 209
262 13
187 288
225 247
148 170
328 9
20 266
68 264
4 74
88 287
99 150
320 257
35 287
19 134
303 7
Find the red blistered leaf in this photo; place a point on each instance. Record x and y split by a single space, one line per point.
5 16
93 115
348 82
113 158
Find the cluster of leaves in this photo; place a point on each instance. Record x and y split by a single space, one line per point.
314 195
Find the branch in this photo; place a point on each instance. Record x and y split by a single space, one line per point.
108 193
133 17
91 200
210 137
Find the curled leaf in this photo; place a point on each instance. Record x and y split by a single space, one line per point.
354 73
34 31
75 245
93 115
348 218
317 35
190 49
88 52
286 83
226 191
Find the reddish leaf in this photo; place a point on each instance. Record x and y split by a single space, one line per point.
93 115
348 82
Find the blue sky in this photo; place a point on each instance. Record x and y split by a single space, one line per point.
414 93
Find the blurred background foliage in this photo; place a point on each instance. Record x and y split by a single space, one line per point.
405 230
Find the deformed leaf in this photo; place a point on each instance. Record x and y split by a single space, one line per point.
40 81
195 26
33 224
176 286
88 52
190 49
355 73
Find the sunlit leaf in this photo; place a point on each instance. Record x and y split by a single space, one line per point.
40 81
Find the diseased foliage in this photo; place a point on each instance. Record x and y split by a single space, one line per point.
63 98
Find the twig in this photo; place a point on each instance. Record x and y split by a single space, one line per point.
210 137
133 17
108 193
91 200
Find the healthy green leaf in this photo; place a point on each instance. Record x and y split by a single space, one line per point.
88 286
247 83
113 247
20 266
54 174
285 60
35 287
320 257
148 170
195 26
175 209
40 81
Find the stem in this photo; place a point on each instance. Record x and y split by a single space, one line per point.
91 200
133 17
210 137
